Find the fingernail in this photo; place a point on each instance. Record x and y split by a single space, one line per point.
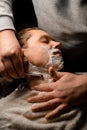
30 100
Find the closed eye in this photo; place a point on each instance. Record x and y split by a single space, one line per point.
45 39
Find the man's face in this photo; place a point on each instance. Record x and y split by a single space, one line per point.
39 46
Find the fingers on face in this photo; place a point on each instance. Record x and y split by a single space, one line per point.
18 65
53 73
12 67
17 61
56 75
4 73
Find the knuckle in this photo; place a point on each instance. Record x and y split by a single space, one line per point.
14 51
2 69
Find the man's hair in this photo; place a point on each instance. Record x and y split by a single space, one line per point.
24 35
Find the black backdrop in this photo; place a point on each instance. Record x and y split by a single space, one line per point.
24 15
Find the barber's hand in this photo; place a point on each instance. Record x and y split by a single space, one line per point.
68 90
11 62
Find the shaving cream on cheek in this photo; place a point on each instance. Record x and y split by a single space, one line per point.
54 60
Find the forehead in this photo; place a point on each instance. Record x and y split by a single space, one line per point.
38 33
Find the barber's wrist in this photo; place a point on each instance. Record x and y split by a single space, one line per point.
7 31
8 34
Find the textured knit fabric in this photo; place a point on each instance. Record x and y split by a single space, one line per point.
16 114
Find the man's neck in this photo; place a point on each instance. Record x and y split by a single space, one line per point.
37 75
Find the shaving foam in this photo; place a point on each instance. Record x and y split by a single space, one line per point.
55 61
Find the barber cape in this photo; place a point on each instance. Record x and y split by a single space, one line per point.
16 114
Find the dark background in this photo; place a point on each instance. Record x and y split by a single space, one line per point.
24 15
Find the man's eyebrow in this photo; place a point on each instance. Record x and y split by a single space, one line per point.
46 36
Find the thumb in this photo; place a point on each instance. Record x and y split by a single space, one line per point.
54 74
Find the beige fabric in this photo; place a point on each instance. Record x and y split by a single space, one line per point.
6 15
16 114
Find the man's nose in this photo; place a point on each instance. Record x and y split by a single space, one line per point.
56 44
